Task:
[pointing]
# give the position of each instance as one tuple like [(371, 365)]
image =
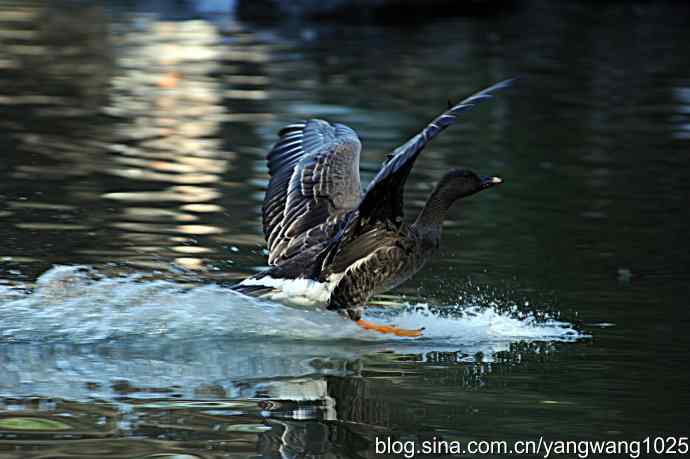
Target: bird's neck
[(430, 220)]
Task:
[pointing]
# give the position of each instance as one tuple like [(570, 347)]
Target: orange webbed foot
[(389, 329)]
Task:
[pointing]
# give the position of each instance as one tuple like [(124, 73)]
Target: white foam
[(80, 326), (76, 305), (69, 305), (476, 324)]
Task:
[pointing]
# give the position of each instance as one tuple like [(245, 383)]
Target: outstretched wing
[(382, 204), (384, 196), (314, 170)]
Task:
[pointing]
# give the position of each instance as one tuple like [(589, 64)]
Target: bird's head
[(460, 183)]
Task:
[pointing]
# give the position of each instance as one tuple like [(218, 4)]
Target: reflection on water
[(133, 142), (171, 108), (151, 163)]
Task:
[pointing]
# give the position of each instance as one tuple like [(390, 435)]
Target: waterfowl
[(333, 245)]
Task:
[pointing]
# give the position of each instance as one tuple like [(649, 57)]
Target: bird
[(332, 245)]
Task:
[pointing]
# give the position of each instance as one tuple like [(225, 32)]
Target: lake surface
[(132, 144)]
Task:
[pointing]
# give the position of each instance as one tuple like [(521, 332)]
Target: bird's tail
[(252, 290)]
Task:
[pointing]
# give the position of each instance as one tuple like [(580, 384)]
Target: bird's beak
[(488, 182)]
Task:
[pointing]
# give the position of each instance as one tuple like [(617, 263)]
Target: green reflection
[(26, 423)]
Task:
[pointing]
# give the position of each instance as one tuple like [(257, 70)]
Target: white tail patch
[(302, 292)]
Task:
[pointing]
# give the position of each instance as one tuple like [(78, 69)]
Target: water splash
[(79, 305), (79, 334), (476, 324)]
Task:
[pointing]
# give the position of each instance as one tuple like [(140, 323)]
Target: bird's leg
[(388, 329)]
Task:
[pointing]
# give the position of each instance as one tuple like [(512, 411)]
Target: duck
[(332, 245)]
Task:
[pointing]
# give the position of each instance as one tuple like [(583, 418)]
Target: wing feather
[(384, 196), (314, 169), (382, 204)]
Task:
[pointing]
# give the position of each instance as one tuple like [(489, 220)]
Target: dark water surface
[(132, 144)]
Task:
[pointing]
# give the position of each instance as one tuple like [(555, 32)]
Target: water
[(130, 187)]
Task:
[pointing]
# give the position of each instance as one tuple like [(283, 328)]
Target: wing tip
[(507, 83), (484, 94), (503, 84)]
